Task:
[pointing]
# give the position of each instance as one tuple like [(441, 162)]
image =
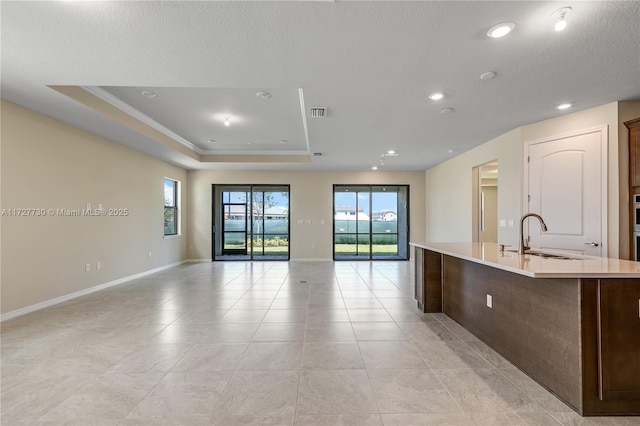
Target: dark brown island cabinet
[(573, 325)]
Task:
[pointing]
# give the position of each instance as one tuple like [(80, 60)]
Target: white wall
[(47, 164), (450, 190), (449, 185), (311, 197)]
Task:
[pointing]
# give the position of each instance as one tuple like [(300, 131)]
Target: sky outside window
[(382, 201)]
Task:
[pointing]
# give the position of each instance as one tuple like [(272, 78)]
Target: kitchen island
[(570, 322)]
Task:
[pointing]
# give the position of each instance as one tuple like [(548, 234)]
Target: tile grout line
[(304, 340)]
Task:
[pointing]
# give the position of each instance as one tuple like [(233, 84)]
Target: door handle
[(592, 244)]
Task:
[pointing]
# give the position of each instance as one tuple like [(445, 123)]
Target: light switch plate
[(489, 301)]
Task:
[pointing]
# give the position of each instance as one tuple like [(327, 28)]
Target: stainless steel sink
[(553, 256), (546, 255)]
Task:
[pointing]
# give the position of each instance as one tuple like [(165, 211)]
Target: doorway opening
[(485, 201), (371, 222), (250, 222)]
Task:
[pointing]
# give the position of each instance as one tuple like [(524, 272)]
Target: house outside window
[(171, 214)]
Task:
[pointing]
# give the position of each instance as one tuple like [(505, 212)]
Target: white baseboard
[(57, 300), (199, 260)]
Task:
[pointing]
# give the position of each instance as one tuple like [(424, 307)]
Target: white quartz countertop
[(534, 266)]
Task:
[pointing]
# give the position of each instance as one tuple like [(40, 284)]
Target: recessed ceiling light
[(374, 168), (227, 122), (452, 151), (446, 110), (391, 152), (436, 96), (487, 75), (148, 94), (283, 141), (501, 29), (559, 16), (212, 141), (263, 95), (564, 106)]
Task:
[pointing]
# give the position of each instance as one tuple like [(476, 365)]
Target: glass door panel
[(345, 223), (275, 226), (352, 222), (384, 230), (270, 222)]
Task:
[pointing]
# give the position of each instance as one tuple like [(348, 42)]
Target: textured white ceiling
[(371, 63)]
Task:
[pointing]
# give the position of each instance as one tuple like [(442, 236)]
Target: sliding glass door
[(370, 222), (250, 222)]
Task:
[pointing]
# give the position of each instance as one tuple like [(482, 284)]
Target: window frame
[(175, 208)]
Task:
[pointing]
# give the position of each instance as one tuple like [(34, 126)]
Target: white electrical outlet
[(489, 301), (98, 265), (322, 221), (313, 246), (511, 224), (87, 267), (503, 223), (149, 255)]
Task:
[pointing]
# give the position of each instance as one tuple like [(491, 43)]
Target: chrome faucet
[(522, 248)]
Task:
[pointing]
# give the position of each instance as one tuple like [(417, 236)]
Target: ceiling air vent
[(318, 154), (318, 112)]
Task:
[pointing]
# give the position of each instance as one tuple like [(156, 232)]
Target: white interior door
[(566, 185)]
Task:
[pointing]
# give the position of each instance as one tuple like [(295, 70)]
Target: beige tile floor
[(274, 343)]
